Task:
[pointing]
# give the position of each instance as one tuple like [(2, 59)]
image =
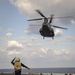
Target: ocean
[(43, 70)]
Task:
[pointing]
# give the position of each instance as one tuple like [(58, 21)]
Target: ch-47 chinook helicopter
[(46, 30)]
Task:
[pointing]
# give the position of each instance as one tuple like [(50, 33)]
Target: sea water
[(48, 71)]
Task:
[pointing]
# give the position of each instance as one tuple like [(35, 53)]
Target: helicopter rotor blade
[(35, 19), (51, 18), (59, 27), (61, 17), (64, 17), (40, 13), (34, 25)]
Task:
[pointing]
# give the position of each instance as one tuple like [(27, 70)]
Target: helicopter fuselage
[(46, 31)]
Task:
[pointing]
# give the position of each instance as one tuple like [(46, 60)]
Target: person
[(18, 66)]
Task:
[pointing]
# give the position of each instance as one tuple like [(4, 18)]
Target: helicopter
[(46, 30)]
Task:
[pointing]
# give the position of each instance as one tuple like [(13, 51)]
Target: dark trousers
[(18, 72)]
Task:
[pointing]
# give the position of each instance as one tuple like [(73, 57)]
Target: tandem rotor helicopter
[(46, 30)]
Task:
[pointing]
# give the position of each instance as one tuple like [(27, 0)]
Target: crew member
[(18, 66)]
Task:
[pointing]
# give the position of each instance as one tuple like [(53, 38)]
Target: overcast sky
[(18, 39)]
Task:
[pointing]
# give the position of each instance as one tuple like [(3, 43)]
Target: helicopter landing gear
[(43, 37), (52, 37)]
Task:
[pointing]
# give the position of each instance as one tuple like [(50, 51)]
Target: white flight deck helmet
[(17, 60)]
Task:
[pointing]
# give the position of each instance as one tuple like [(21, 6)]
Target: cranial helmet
[(17, 60)]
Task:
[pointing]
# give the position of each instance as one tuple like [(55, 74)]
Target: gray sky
[(18, 39)]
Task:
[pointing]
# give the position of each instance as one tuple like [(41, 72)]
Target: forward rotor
[(49, 18), (43, 17)]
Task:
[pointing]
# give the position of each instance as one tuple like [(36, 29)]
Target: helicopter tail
[(51, 19)]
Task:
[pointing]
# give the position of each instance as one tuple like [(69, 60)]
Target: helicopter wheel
[(43, 37), (52, 37)]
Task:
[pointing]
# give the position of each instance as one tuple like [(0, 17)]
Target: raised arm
[(13, 61), (24, 66)]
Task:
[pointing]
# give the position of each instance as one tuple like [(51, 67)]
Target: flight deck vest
[(17, 66)]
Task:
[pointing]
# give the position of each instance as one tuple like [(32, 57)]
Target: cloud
[(27, 31), (24, 6), (61, 52), (52, 57), (9, 34), (0, 28), (65, 39), (53, 52), (69, 38), (57, 54), (14, 45), (73, 21), (44, 50), (57, 1), (58, 32), (58, 42), (33, 29), (14, 52), (32, 44), (60, 8), (47, 57)]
